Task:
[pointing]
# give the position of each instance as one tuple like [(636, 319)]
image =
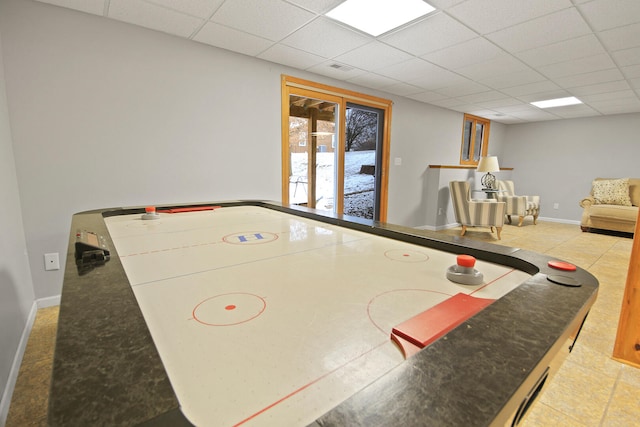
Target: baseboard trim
[(437, 227), (48, 302), (453, 225), (559, 220), (15, 367)]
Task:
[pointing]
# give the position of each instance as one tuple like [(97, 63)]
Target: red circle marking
[(466, 261), (259, 309), (408, 256)]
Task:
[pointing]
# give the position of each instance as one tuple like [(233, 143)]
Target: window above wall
[(475, 139)]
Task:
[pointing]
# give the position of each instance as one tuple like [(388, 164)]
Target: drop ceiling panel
[(498, 66), (590, 78), (600, 88), (373, 56), (535, 115), (549, 29), (336, 70), (270, 19), (153, 16), (578, 66), (562, 51), (290, 56), (317, 6), (427, 96), (632, 71), (618, 106), (95, 7), (481, 98), (410, 70), (231, 39), (439, 78), (622, 37), (503, 13), (402, 89), (514, 79), (574, 111), (434, 32), (607, 96), (542, 96), (467, 53), (607, 14), (462, 88), (198, 8), (373, 80), (627, 56), (325, 38), (545, 86)]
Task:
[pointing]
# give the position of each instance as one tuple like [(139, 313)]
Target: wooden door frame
[(293, 85)]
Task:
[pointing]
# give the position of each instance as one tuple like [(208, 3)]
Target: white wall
[(16, 288), (108, 114), (558, 160)]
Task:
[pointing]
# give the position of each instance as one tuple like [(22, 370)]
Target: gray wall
[(558, 159), (16, 288)]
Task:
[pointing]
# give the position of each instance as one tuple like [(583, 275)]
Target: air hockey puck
[(150, 213), (561, 265), (564, 280)]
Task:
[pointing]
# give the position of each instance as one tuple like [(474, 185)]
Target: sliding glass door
[(335, 149)]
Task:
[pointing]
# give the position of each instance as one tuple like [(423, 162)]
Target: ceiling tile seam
[(205, 22), (304, 8), (179, 12), (596, 34), (521, 22)]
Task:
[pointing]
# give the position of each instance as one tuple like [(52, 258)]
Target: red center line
[(293, 393), (493, 281)]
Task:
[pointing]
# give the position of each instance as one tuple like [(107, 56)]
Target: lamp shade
[(488, 164)]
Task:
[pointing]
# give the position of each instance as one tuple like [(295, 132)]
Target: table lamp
[(488, 164)]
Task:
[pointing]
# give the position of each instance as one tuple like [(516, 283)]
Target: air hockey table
[(250, 313)]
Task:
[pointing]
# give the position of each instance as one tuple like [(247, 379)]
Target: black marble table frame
[(107, 370)]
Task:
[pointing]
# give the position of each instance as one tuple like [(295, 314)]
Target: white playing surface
[(263, 318)]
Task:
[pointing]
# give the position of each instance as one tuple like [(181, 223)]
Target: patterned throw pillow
[(612, 192)]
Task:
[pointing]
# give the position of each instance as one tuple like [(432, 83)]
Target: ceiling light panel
[(377, 17), (558, 102)]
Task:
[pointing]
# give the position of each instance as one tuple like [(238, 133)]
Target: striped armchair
[(518, 205), (482, 213)]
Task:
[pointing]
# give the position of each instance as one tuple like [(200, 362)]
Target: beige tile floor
[(590, 388)]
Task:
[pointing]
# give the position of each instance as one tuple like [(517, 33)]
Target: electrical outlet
[(439, 211), (397, 161), (556, 206), (51, 261)]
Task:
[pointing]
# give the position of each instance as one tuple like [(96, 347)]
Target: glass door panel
[(362, 160), (313, 126)]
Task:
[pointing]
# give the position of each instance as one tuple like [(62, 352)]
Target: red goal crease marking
[(304, 387)]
